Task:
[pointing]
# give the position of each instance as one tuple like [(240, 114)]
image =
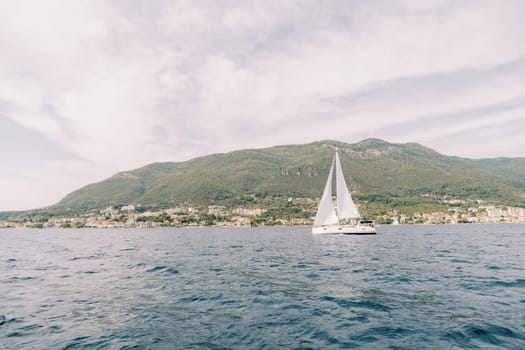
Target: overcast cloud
[(89, 88)]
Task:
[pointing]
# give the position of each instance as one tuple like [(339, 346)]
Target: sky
[(89, 88)]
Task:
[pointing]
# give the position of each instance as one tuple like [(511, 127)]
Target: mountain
[(381, 176)]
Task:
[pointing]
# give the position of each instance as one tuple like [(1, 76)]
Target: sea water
[(408, 287)]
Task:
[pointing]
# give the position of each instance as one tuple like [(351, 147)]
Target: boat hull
[(344, 230)]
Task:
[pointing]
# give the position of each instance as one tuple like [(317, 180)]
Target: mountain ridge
[(381, 175), (374, 167)]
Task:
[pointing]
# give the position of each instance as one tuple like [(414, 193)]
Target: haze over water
[(408, 287)]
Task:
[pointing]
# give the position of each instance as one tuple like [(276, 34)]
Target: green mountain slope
[(381, 176)]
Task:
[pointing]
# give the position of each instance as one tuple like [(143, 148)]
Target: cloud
[(31, 147), (102, 86)]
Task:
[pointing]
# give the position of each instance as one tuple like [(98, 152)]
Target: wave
[(162, 268)]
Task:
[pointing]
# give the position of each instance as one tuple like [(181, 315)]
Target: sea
[(408, 287)]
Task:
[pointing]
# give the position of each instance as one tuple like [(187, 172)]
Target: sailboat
[(342, 217)]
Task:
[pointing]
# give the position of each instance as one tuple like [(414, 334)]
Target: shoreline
[(245, 227)]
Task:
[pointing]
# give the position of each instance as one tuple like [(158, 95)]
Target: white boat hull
[(344, 230)]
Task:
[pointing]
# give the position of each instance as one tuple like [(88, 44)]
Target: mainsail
[(326, 214), (346, 209)]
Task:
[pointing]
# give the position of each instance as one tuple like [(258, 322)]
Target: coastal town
[(134, 216)]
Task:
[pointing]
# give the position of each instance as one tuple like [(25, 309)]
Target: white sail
[(326, 214), (331, 221), (346, 209)]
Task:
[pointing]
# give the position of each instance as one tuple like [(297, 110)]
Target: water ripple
[(348, 303), (408, 287), (165, 269)]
